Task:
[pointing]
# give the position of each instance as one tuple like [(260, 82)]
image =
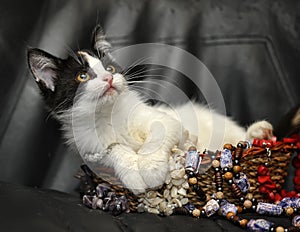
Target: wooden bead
[(239, 209), (279, 229), (236, 191), (216, 163), (243, 223), (193, 180), (238, 153), (237, 168), (219, 195), (228, 146), (247, 204), (229, 215), (289, 211), (228, 175), (249, 196), (218, 179), (196, 213)]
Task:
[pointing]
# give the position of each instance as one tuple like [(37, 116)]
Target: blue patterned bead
[(285, 202), (226, 159), (259, 225), (289, 202), (192, 161), (226, 207), (242, 182), (268, 208), (296, 221), (211, 207)]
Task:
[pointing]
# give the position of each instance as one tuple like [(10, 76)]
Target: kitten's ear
[(43, 66), (98, 40)]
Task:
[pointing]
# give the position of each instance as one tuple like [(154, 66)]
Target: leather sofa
[(251, 49)]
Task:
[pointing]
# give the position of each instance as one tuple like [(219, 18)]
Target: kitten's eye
[(111, 69), (82, 77)]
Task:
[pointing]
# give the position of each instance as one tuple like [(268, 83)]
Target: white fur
[(119, 130)]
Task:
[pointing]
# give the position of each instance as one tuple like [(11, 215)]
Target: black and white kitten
[(111, 124)]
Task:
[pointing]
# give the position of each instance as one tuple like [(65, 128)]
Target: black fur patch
[(66, 85)]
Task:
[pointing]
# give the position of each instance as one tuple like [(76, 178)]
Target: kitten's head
[(88, 75)]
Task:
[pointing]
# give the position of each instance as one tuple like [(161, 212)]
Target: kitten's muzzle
[(108, 78)]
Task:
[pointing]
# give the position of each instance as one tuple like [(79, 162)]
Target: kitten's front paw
[(260, 130), (134, 182), (154, 173)]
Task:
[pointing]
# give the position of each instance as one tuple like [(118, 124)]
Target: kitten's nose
[(108, 78)]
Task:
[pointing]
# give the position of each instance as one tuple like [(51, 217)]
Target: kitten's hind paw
[(260, 130)]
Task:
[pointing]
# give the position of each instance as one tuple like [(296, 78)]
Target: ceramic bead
[(227, 207), (296, 221), (259, 225), (226, 159), (268, 208), (192, 160), (242, 182), (211, 207)]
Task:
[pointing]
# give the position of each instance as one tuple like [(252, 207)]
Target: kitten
[(111, 124)]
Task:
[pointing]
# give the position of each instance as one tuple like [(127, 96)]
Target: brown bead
[(249, 196), (243, 223), (216, 163), (289, 211), (193, 180), (236, 191), (219, 195), (279, 229), (229, 215), (238, 153), (196, 213), (239, 209), (218, 179), (247, 204), (228, 175), (228, 146), (237, 168)]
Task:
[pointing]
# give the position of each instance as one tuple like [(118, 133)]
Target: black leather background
[(250, 47)]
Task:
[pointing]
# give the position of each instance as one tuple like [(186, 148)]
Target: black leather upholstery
[(250, 47)]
